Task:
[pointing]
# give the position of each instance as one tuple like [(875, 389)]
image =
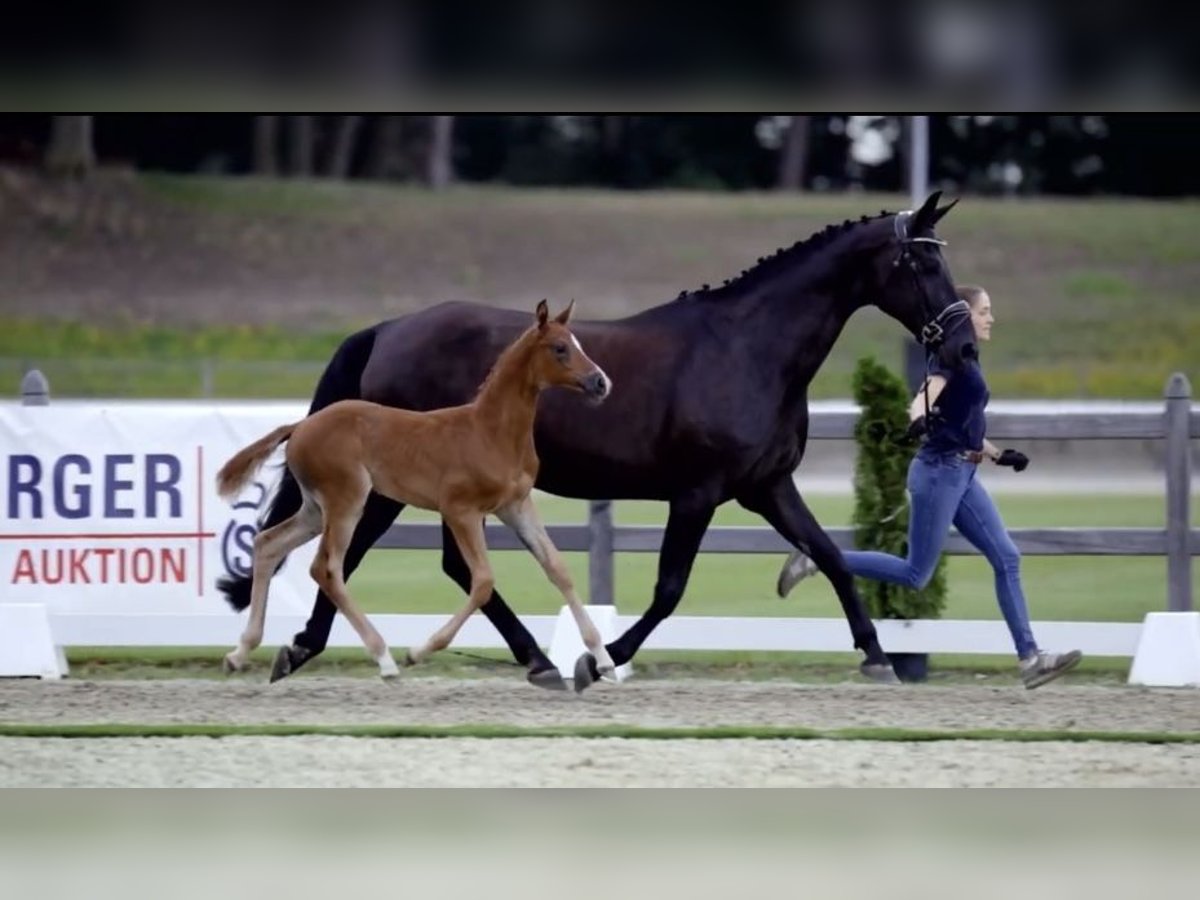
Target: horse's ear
[(565, 316), (924, 217), (543, 313), (942, 210)]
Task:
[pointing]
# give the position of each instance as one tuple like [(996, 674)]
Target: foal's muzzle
[(596, 385)]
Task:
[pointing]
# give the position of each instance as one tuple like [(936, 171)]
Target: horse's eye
[(560, 349)]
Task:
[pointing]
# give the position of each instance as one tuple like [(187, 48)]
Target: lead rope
[(487, 659)]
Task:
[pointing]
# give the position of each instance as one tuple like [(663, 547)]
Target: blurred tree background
[(1093, 154), (228, 254)]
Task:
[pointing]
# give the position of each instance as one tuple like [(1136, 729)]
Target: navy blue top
[(960, 423)]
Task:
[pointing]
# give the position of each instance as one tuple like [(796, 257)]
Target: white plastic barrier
[(1168, 651), (111, 532), (113, 510)]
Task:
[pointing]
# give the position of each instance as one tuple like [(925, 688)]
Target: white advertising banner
[(112, 508)]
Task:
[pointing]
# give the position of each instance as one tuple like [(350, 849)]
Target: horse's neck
[(507, 402), (793, 325)]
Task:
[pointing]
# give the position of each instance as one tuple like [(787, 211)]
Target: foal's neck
[(507, 401)]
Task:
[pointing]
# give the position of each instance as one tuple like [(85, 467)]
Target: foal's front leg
[(522, 517), (467, 528)]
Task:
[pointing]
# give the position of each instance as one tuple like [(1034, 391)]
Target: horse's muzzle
[(596, 386)]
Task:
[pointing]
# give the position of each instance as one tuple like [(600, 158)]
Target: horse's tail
[(242, 465), (341, 380)]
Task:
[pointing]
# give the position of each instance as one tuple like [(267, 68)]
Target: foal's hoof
[(880, 673), (288, 660), (230, 664), (587, 672), (549, 679)]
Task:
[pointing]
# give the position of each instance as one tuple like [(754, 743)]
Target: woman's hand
[(1014, 458)]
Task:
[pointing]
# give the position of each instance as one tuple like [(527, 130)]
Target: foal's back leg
[(270, 547), (522, 517), (467, 528), (342, 513)]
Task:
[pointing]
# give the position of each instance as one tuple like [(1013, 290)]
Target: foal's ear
[(543, 313), (565, 316)]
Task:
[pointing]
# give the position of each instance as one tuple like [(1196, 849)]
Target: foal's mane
[(506, 356), (785, 257)]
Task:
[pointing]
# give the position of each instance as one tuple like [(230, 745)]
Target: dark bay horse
[(710, 405)]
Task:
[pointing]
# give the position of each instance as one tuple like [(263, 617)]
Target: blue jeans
[(944, 490)]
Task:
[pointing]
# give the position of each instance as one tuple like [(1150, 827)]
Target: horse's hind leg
[(782, 506), (522, 517), (540, 672), (270, 547), (341, 517), (467, 529)]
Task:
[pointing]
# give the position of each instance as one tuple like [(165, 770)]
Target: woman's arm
[(991, 450), (932, 388)]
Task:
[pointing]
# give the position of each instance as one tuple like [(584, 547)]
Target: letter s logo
[(237, 541)]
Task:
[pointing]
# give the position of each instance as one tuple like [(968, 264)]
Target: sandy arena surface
[(677, 702), (318, 761), (578, 762)]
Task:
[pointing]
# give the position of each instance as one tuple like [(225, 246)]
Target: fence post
[(35, 389), (1179, 486), (600, 553), (207, 377)]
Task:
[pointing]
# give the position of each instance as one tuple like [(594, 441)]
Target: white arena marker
[(567, 646), (1168, 651), (27, 646)]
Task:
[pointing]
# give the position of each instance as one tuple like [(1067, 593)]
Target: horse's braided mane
[(769, 265)]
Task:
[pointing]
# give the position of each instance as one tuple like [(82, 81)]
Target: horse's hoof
[(409, 659), (288, 660), (880, 673), (229, 664), (586, 672), (549, 679)]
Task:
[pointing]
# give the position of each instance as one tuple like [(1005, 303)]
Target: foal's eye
[(560, 349)]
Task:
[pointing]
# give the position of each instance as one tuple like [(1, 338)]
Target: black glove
[(1014, 458), (916, 428)]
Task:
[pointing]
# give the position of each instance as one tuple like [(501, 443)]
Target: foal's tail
[(340, 381), (242, 465)]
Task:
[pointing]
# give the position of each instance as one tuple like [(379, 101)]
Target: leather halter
[(933, 332)]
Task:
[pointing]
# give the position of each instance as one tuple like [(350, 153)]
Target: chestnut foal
[(462, 461)]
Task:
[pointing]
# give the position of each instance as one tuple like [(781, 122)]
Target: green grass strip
[(491, 731)]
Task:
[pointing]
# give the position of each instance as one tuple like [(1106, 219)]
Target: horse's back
[(439, 356)]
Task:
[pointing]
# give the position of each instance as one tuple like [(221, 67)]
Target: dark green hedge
[(880, 501)]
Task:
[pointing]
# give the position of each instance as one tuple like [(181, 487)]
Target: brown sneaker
[(1043, 667)]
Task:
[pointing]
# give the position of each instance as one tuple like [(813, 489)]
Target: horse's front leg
[(522, 517), (781, 505), (688, 520), (525, 650)]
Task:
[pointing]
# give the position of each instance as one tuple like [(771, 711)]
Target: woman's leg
[(935, 490), (978, 520)]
